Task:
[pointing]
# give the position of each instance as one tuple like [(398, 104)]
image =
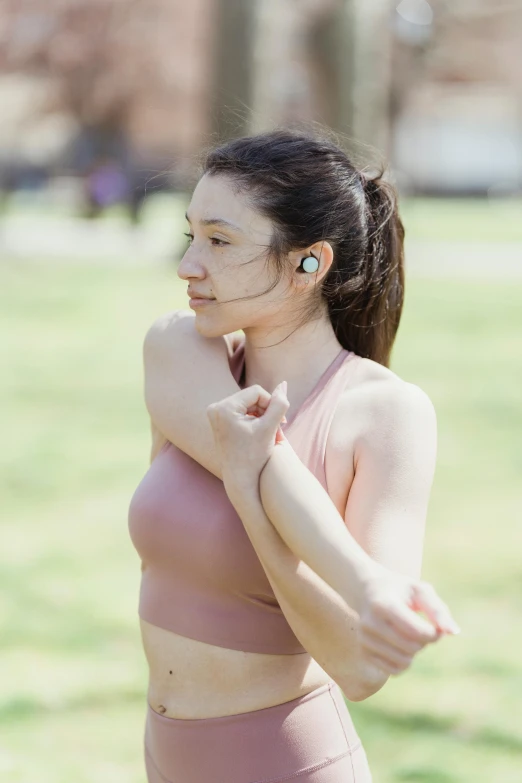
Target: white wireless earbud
[(310, 264)]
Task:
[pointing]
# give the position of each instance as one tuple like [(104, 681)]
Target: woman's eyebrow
[(217, 222)]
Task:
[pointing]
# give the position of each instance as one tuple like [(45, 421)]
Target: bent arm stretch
[(323, 622), (307, 548)]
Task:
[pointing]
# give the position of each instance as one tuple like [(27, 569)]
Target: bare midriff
[(191, 679)]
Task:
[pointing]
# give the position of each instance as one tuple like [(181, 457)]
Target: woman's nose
[(189, 266)]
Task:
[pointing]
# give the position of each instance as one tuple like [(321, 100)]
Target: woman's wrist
[(241, 485), (361, 572)]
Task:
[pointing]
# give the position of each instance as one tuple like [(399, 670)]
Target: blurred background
[(106, 106)]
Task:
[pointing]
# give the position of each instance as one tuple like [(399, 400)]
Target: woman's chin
[(206, 327)]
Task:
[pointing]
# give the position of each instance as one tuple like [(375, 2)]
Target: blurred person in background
[(281, 522), (106, 183)]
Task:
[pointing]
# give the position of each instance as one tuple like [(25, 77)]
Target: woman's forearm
[(308, 522), (323, 622)]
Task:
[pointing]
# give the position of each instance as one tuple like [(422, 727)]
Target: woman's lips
[(199, 301)]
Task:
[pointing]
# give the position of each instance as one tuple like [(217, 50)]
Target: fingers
[(252, 397), (257, 410), (386, 658), (391, 631), (382, 635), (276, 409), (426, 599), (412, 626), (253, 401), (403, 620), (384, 646)]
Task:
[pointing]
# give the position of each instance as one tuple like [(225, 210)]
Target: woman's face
[(227, 259)]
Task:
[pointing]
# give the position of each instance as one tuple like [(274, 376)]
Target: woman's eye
[(214, 240)]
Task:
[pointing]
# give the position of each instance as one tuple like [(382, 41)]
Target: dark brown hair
[(311, 191)]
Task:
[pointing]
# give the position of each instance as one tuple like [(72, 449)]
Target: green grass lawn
[(463, 219), (74, 676)]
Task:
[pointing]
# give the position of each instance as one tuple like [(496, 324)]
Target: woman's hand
[(246, 427), (390, 630)]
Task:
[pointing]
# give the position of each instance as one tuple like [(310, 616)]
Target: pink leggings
[(310, 739)]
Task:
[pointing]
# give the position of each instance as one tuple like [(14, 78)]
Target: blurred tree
[(232, 74), (90, 54), (117, 67), (362, 40), (90, 50)]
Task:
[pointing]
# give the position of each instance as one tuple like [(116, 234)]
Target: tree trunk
[(231, 107)]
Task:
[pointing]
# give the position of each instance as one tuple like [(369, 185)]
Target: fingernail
[(452, 628), (280, 436), (284, 420), (284, 386)]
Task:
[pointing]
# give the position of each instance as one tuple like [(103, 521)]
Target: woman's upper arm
[(395, 455), (183, 374)]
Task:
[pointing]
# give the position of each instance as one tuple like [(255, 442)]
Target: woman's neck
[(300, 359)]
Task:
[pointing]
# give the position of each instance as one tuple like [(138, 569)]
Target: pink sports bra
[(201, 575)]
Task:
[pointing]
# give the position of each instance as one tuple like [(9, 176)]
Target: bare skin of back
[(190, 679)]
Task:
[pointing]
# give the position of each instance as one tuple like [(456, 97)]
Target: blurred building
[(457, 101), (434, 86)]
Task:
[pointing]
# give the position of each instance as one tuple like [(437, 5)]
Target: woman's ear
[(323, 253)]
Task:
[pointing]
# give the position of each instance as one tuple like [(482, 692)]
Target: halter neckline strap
[(321, 383)]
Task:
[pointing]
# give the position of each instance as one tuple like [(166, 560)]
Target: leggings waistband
[(224, 719)]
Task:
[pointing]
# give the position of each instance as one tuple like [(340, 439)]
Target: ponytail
[(365, 309)]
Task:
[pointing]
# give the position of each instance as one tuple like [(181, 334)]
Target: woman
[(281, 532)]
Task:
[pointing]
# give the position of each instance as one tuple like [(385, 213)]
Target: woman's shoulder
[(376, 402), (165, 328), (380, 422), (175, 330)]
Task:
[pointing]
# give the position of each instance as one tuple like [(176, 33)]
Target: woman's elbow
[(361, 688)]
